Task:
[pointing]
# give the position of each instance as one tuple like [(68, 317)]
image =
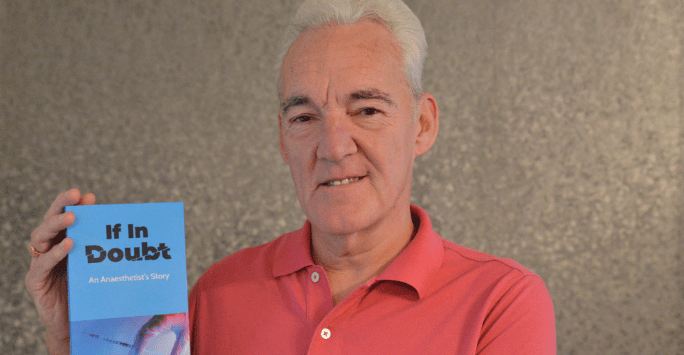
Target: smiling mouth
[(343, 181)]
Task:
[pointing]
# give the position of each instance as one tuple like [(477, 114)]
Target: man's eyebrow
[(367, 94), (372, 94), (293, 101)]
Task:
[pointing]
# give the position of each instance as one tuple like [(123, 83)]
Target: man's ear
[(283, 153), (428, 123)]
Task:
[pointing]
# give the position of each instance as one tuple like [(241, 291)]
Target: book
[(127, 279)]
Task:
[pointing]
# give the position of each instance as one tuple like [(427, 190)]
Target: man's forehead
[(363, 60)]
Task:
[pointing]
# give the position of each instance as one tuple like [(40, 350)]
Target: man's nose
[(336, 138)]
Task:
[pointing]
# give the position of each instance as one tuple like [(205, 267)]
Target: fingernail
[(61, 217)]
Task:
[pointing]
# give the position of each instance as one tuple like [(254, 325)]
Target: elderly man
[(366, 274)]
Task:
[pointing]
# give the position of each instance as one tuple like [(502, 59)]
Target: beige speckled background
[(560, 145)]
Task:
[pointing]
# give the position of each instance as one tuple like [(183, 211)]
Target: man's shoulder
[(513, 301), (488, 277), (458, 259), (460, 253)]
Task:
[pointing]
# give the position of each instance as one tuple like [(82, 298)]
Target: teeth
[(342, 182)]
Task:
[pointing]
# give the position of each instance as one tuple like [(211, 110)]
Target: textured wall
[(560, 145)]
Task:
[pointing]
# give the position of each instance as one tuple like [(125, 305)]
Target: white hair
[(394, 14)]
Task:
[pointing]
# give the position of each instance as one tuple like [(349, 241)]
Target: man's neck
[(351, 260)]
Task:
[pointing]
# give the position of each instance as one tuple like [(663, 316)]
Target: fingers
[(42, 266), (87, 199), (43, 236), (56, 220), (66, 198)]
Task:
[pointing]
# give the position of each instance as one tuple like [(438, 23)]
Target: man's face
[(346, 126)]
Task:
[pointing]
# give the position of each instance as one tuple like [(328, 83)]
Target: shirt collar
[(414, 266), (294, 252), (420, 260)]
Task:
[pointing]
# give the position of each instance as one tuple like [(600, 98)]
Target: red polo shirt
[(436, 297)]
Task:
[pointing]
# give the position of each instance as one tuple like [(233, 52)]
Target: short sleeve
[(521, 321)]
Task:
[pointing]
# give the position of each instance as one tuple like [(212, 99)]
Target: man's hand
[(46, 281)]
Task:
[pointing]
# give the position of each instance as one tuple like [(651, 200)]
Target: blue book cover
[(127, 279)]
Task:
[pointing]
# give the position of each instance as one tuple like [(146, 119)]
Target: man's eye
[(369, 111), (301, 119)]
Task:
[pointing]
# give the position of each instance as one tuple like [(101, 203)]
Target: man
[(366, 274)]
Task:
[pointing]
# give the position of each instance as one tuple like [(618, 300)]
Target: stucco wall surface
[(560, 143)]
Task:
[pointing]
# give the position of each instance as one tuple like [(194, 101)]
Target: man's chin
[(341, 222)]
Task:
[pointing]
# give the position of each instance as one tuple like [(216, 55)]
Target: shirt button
[(315, 276), (325, 333)]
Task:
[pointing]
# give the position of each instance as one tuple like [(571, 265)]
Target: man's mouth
[(343, 181)]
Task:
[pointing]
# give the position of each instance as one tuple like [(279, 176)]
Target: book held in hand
[(127, 279)]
